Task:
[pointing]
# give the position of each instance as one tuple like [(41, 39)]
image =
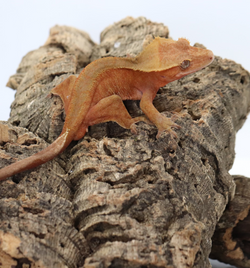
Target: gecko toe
[(172, 133), (175, 126), (133, 128)]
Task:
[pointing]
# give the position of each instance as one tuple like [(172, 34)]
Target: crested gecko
[(96, 95)]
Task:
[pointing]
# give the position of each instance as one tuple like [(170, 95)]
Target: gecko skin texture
[(96, 95)]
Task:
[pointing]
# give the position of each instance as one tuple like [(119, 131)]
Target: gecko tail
[(37, 159)]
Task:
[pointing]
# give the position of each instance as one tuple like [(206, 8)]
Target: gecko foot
[(136, 120), (166, 126)]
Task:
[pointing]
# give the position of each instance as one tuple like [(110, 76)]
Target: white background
[(221, 25)]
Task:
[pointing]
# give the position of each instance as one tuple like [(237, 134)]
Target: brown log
[(231, 240), (115, 199)]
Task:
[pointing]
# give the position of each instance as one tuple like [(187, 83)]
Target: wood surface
[(115, 199), (231, 240)]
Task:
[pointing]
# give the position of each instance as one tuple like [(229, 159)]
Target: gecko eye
[(185, 64)]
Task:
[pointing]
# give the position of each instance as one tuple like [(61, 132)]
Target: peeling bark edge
[(231, 240)]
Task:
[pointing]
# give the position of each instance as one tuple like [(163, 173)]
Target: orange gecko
[(96, 95)]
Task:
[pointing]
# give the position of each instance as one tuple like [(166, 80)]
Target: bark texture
[(114, 199), (231, 240)]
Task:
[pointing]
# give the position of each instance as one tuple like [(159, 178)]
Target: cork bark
[(115, 199), (231, 240)]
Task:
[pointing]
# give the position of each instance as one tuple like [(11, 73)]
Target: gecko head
[(182, 59)]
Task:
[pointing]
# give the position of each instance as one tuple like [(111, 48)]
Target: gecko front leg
[(160, 121)]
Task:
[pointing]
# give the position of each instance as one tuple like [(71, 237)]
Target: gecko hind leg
[(64, 90), (110, 109)]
